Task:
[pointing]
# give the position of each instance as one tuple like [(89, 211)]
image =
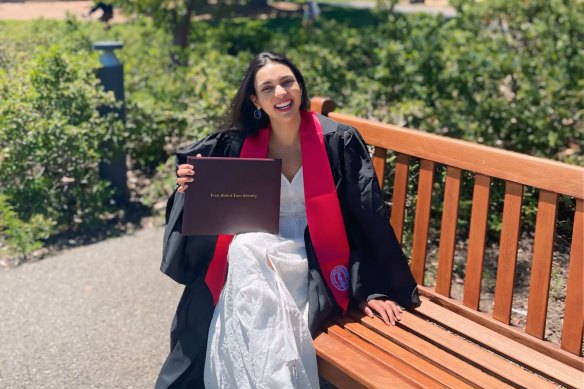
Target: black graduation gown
[(377, 264)]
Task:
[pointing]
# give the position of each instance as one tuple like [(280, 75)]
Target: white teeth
[(283, 105)]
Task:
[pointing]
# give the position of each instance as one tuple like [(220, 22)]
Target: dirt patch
[(558, 284)]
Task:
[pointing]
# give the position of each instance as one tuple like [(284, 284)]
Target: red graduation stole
[(323, 212)]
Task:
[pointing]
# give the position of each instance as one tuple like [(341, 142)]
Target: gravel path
[(92, 317)]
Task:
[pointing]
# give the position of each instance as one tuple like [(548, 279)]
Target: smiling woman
[(278, 91), (280, 97), (253, 326)]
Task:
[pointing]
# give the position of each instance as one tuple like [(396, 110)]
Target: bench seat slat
[(508, 252), (386, 359), (514, 333), (448, 231), (541, 268), (574, 311), (495, 365), (422, 223), (433, 354), (508, 348), (400, 191), (347, 368), (411, 360), (476, 241)]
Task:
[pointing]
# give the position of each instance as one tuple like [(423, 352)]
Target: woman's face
[(277, 92)]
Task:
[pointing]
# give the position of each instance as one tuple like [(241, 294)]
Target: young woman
[(253, 327)]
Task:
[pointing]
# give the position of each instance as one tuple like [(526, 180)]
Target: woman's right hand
[(185, 173)]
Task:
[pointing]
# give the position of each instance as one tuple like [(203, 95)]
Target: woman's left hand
[(387, 310)]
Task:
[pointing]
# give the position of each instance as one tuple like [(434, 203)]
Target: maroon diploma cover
[(233, 196)]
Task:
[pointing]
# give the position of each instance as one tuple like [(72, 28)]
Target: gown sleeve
[(184, 258), (378, 265)]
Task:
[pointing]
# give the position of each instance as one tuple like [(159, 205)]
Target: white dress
[(259, 335)]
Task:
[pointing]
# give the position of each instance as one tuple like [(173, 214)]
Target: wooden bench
[(447, 342)]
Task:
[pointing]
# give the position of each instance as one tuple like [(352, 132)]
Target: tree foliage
[(172, 15), (50, 137), (503, 73)]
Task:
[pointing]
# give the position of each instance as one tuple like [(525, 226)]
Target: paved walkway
[(26, 10), (92, 317), (432, 7)]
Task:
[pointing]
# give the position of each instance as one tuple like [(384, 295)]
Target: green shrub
[(503, 73), (51, 136), (20, 237), (162, 185)]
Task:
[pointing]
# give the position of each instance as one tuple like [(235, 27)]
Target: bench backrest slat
[(531, 171), (574, 311), (448, 230), (379, 159), (476, 241), (541, 269), (400, 191), (508, 252), (422, 221)]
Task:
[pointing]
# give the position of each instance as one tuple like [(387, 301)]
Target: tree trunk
[(183, 26), (255, 4)]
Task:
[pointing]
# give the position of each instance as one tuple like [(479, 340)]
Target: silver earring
[(257, 113)]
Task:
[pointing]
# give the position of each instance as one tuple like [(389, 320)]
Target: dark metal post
[(111, 75)]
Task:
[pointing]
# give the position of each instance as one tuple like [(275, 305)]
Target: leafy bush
[(50, 137), (162, 184), (503, 73), (18, 236)]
